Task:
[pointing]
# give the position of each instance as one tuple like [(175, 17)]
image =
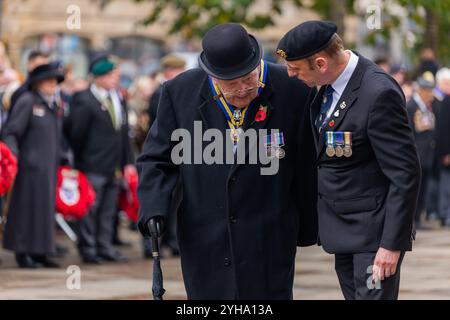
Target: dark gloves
[(153, 227)]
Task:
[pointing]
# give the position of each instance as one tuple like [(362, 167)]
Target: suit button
[(227, 262), (233, 219), (233, 179)]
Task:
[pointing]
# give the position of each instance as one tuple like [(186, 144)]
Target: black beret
[(306, 39)]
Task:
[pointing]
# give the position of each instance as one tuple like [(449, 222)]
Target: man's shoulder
[(83, 95), (376, 81)]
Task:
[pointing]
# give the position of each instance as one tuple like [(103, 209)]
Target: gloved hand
[(152, 227)]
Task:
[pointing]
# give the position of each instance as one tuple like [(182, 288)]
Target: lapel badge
[(336, 114), (343, 105), (331, 123)]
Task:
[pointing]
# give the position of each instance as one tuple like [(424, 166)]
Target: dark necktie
[(325, 106)]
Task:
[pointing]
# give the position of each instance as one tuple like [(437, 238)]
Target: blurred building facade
[(114, 25)]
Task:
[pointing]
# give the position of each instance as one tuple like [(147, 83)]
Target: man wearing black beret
[(237, 229), (367, 163)]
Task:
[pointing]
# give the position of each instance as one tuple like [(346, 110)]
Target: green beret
[(102, 67)]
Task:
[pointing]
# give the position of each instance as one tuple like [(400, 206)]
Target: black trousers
[(96, 228), (354, 272)]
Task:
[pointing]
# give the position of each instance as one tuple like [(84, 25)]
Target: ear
[(322, 64)]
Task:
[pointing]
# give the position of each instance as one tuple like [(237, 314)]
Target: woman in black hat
[(33, 134)]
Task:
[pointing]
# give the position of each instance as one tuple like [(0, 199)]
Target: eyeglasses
[(235, 93)]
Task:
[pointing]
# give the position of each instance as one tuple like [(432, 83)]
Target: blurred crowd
[(427, 93), (48, 118)]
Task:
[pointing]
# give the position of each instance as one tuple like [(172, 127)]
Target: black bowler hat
[(229, 52), (306, 39), (44, 72)]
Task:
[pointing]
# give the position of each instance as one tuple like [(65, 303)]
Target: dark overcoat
[(33, 133), (237, 229)]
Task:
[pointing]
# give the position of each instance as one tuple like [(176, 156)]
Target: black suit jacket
[(237, 229), (97, 146), (368, 200)]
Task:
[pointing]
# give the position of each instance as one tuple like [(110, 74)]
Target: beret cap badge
[(281, 53)]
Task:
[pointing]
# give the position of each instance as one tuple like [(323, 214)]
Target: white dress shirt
[(342, 81)]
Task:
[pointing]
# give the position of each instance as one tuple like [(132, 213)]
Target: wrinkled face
[(110, 80), (310, 72), (48, 86), (241, 91)]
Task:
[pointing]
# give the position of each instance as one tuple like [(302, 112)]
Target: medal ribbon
[(330, 136), (348, 138)]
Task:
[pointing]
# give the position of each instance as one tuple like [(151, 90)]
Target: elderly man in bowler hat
[(367, 163), (237, 229)]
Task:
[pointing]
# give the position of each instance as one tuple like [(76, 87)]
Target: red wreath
[(128, 200), (74, 194), (8, 168)]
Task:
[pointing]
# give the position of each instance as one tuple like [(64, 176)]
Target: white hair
[(442, 75)]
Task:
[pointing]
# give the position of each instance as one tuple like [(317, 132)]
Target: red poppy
[(331, 123), (261, 114), (8, 168)]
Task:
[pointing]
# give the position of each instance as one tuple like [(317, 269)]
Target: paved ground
[(425, 274)]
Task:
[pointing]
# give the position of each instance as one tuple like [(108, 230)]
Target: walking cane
[(157, 287)]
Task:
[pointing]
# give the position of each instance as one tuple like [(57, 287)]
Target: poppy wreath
[(8, 168), (128, 200), (74, 194)]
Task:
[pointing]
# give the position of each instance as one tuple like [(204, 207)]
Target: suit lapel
[(347, 100)]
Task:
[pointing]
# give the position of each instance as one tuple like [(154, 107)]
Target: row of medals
[(339, 151), (271, 151)]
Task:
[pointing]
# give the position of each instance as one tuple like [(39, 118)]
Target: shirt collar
[(102, 92), (341, 82)]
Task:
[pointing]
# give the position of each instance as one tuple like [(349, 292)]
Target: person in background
[(383, 63), (98, 136), (423, 122), (442, 94), (35, 58), (171, 66), (427, 62), (397, 72), (33, 134), (432, 199)]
